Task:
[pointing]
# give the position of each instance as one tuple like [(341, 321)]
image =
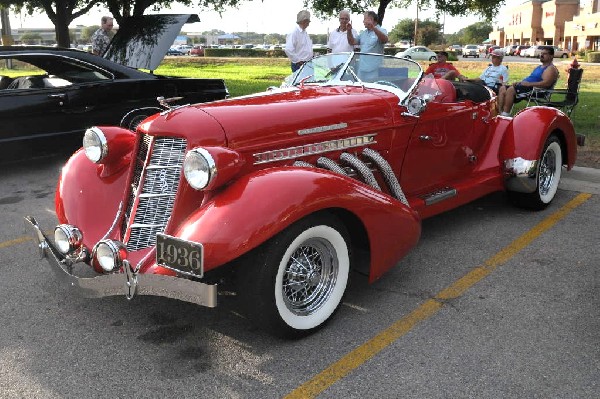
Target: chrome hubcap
[(310, 276)]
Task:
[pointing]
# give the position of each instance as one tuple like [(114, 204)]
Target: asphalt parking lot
[(494, 302)]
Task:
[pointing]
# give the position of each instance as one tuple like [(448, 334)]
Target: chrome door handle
[(425, 138)]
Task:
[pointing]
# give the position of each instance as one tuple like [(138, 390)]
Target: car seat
[(5, 81)]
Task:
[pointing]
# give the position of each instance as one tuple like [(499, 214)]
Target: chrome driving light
[(110, 254), (67, 238), (199, 168), (95, 144)]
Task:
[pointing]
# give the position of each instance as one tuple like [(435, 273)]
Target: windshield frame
[(344, 69)]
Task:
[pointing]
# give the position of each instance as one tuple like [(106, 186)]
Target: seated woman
[(495, 75)]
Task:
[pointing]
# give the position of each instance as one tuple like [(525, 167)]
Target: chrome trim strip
[(149, 195), (321, 129), (129, 283), (150, 167), (312, 149), (520, 175)]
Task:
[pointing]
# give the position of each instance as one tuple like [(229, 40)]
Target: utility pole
[(416, 23), (6, 31)]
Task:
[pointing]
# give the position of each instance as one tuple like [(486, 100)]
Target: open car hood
[(142, 42)]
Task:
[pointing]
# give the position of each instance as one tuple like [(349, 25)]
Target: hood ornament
[(164, 102)]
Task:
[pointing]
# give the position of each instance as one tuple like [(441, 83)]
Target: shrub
[(593, 56), (242, 52)]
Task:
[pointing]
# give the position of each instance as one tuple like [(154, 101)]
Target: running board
[(439, 195)]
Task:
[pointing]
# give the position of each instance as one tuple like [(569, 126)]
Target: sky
[(268, 16)]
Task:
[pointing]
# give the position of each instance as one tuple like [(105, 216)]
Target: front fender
[(529, 130), (256, 207)]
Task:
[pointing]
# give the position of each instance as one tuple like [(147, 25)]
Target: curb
[(581, 179)]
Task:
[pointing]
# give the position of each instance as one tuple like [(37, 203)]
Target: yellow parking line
[(16, 241), (21, 240), (372, 347)]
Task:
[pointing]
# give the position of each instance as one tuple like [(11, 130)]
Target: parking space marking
[(16, 241), (372, 347)]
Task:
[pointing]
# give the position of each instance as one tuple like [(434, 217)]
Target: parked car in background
[(456, 48), (184, 48), (490, 49), (510, 50), (279, 195), (55, 93), (519, 50), (470, 50), (174, 51), (197, 50), (535, 51), (418, 53)]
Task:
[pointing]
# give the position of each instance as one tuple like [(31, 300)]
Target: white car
[(534, 51), (418, 53), (470, 50)]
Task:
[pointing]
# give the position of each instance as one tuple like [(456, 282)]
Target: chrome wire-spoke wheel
[(549, 172), (310, 276)]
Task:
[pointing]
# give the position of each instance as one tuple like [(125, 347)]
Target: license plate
[(180, 255)]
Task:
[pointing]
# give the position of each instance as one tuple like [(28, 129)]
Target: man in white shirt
[(338, 39), (298, 45)]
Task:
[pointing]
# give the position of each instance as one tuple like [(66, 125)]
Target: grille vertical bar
[(156, 184)]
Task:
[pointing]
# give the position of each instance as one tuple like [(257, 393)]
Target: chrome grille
[(156, 185)]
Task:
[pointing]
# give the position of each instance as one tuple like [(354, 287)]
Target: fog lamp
[(95, 144), (67, 238), (110, 254)]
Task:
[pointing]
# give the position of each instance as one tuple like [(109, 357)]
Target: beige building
[(583, 31), (572, 24)]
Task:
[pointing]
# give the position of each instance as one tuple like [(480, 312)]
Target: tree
[(428, 31), (486, 8), (31, 38), (63, 12), (121, 9), (60, 12), (87, 32)]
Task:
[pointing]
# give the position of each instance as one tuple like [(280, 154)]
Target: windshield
[(389, 73)]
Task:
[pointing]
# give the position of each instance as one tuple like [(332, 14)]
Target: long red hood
[(276, 117)]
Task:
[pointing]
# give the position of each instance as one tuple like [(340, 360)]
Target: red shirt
[(439, 70)]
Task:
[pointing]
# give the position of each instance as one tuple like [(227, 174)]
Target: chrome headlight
[(199, 168), (95, 144), (110, 254), (67, 238)]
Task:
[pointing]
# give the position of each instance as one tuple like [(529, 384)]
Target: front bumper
[(130, 283)]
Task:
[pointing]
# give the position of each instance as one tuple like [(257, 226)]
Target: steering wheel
[(385, 82)]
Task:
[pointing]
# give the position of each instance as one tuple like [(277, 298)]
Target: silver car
[(418, 53)]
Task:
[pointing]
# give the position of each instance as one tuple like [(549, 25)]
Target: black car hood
[(142, 42)]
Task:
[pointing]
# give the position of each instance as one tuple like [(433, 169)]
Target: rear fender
[(529, 130), (256, 207)]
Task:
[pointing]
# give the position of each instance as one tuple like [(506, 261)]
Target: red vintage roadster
[(285, 192)]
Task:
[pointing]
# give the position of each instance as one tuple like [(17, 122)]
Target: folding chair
[(571, 94)]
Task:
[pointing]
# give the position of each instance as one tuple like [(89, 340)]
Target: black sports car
[(50, 92)]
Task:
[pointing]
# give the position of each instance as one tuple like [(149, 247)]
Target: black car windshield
[(374, 70)]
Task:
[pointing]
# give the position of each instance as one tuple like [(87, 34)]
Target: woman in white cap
[(495, 75), (298, 45)]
